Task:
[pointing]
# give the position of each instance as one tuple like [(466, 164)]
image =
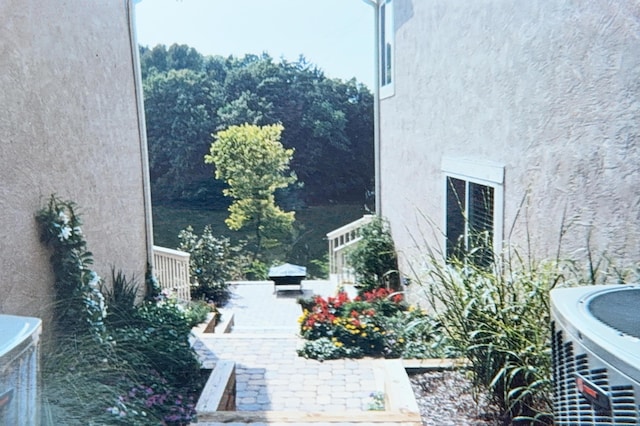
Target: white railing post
[(341, 241), (171, 268)]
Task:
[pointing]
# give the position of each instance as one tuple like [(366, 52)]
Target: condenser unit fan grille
[(571, 407), (595, 346)]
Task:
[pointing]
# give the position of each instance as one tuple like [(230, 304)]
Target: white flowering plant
[(80, 305)]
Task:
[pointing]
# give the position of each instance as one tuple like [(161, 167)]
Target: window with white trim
[(473, 209), (386, 39)]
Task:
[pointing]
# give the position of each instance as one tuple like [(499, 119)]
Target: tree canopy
[(254, 164), (188, 97)]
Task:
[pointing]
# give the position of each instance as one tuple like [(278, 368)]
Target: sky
[(335, 35)]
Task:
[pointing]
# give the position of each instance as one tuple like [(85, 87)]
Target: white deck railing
[(341, 241), (171, 268)]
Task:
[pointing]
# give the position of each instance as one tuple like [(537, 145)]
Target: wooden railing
[(171, 268), (341, 241)]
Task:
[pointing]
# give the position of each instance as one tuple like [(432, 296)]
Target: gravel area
[(446, 398)]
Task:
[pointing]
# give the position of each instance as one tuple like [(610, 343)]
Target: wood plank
[(298, 417), (218, 389), (436, 364), (398, 393)]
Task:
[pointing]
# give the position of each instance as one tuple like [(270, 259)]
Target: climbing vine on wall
[(79, 303)]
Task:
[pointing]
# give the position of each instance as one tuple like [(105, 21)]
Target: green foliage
[(189, 96), (132, 366), (374, 259), (378, 323), (254, 164), (179, 106), (79, 304), (376, 401), (149, 376), (498, 318), (121, 297), (196, 311), (323, 349), (164, 323), (312, 224), (209, 264)]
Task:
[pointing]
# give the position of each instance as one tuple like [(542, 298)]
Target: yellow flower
[(401, 340), (364, 334), (376, 329)]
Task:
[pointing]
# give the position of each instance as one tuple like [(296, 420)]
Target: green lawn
[(312, 225)]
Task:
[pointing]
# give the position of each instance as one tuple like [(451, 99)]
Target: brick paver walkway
[(270, 376)]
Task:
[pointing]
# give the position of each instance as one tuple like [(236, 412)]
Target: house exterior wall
[(69, 126), (548, 89)]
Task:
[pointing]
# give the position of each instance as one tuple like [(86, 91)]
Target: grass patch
[(308, 244)]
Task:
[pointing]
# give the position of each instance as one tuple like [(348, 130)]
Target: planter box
[(219, 393)]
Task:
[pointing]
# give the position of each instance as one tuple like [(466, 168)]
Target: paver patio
[(272, 382)]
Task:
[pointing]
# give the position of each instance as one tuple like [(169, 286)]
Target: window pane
[(455, 231), (383, 44), (481, 223), (386, 43), (387, 72)]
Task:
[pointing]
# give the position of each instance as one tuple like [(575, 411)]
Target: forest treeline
[(189, 96)]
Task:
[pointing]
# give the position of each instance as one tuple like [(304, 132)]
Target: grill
[(596, 365)]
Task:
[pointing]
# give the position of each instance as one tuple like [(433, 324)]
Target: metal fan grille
[(570, 406)]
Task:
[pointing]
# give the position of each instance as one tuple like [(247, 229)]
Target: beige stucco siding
[(70, 126), (549, 89)]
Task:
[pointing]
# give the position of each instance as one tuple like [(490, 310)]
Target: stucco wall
[(69, 126), (549, 89)]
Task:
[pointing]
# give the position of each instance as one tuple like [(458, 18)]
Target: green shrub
[(120, 297), (323, 349), (497, 316), (150, 375), (209, 264), (112, 365), (79, 305), (374, 260), (415, 334)]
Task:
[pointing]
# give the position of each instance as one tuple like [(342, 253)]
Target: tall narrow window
[(473, 210), (386, 48)]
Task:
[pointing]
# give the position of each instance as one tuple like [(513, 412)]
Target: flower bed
[(378, 323)]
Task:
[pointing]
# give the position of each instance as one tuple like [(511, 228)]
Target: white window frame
[(483, 173), (386, 48)]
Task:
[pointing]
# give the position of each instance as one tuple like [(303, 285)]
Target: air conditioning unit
[(19, 342), (596, 355)]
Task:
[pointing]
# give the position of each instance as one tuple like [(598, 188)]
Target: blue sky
[(335, 35)]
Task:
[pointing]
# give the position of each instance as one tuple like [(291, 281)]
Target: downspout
[(142, 130), (376, 105)]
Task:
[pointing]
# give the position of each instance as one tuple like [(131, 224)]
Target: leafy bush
[(79, 304), (415, 334), (497, 316), (322, 349), (208, 264), (149, 375), (120, 297), (374, 260), (378, 323), (128, 365)]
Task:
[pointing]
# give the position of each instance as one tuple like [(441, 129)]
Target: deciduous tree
[(254, 164)]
